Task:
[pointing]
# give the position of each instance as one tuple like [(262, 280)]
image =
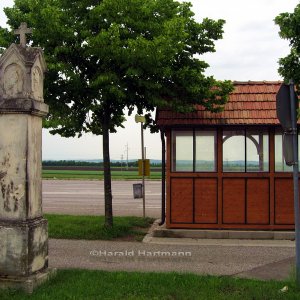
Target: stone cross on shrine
[(22, 31), (23, 230)]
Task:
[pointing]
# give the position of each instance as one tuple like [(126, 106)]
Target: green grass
[(84, 284), (91, 227), (79, 174)]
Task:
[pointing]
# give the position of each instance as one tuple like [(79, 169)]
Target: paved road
[(252, 259), (80, 197), (261, 260)]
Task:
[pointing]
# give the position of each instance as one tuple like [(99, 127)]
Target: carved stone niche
[(23, 230), (22, 73)]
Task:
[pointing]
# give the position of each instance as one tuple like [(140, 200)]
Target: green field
[(87, 284), (80, 174)]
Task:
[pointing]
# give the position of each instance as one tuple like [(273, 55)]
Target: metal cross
[(22, 31)]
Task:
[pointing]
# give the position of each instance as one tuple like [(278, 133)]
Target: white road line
[(94, 193)]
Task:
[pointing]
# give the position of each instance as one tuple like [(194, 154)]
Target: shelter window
[(194, 150), (182, 151), (206, 144), (280, 165), (246, 150)]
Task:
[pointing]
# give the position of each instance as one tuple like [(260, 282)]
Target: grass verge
[(87, 284), (80, 174), (91, 227)]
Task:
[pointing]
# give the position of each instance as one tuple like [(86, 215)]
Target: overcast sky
[(249, 50)]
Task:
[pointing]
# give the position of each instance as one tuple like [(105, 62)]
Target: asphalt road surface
[(83, 197), (267, 261)]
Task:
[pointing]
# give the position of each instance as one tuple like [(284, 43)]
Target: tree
[(105, 55), (289, 23)]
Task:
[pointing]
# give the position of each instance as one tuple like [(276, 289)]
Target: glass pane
[(206, 151), (280, 165), (182, 151), (233, 151), (257, 150)]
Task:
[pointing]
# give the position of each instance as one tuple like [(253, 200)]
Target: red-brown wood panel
[(284, 201), (234, 201), (258, 201), (206, 200), (181, 200)]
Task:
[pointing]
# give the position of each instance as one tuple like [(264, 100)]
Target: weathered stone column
[(23, 231)]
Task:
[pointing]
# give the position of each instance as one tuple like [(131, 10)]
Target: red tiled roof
[(252, 103)]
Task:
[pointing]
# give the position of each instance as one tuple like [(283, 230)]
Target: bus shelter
[(226, 170)]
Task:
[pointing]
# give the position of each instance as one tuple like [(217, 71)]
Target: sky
[(249, 50)]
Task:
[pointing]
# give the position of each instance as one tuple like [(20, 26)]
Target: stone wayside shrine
[(23, 230)]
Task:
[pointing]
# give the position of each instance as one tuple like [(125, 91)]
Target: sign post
[(144, 166), (141, 119), (287, 115), (295, 177)]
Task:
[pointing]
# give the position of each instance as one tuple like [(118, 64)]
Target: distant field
[(82, 174), (95, 168)]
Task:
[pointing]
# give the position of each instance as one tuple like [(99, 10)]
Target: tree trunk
[(107, 172)]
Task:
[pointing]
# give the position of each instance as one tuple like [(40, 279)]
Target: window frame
[(220, 131), (245, 129), (280, 129), (173, 147), (194, 130), (215, 131), (266, 130)]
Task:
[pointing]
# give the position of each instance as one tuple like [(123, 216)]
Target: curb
[(148, 237), (223, 234)]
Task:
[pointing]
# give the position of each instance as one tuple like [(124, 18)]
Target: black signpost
[(287, 115)]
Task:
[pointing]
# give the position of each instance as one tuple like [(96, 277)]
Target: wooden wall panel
[(258, 201), (284, 201), (181, 200), (206, 208), (234, 200)]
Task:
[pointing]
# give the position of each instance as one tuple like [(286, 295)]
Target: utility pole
[(122, 156), (127, 150)]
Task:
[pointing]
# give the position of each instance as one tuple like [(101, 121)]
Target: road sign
[(283, 107), (139, 119), (287, 144), (137, 190), (146, 167), (284, 115)]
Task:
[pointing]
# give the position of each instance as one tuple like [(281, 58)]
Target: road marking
[(93, 193)]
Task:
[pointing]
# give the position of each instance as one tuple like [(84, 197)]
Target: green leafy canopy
[(289, 23), (107, 55)]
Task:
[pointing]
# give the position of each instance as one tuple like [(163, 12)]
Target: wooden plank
[(168, 179), (181, 200), (206, 200), (220, 174), (234, 201), (258, 201), (284, 201), (233, 226), (272, 174)]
